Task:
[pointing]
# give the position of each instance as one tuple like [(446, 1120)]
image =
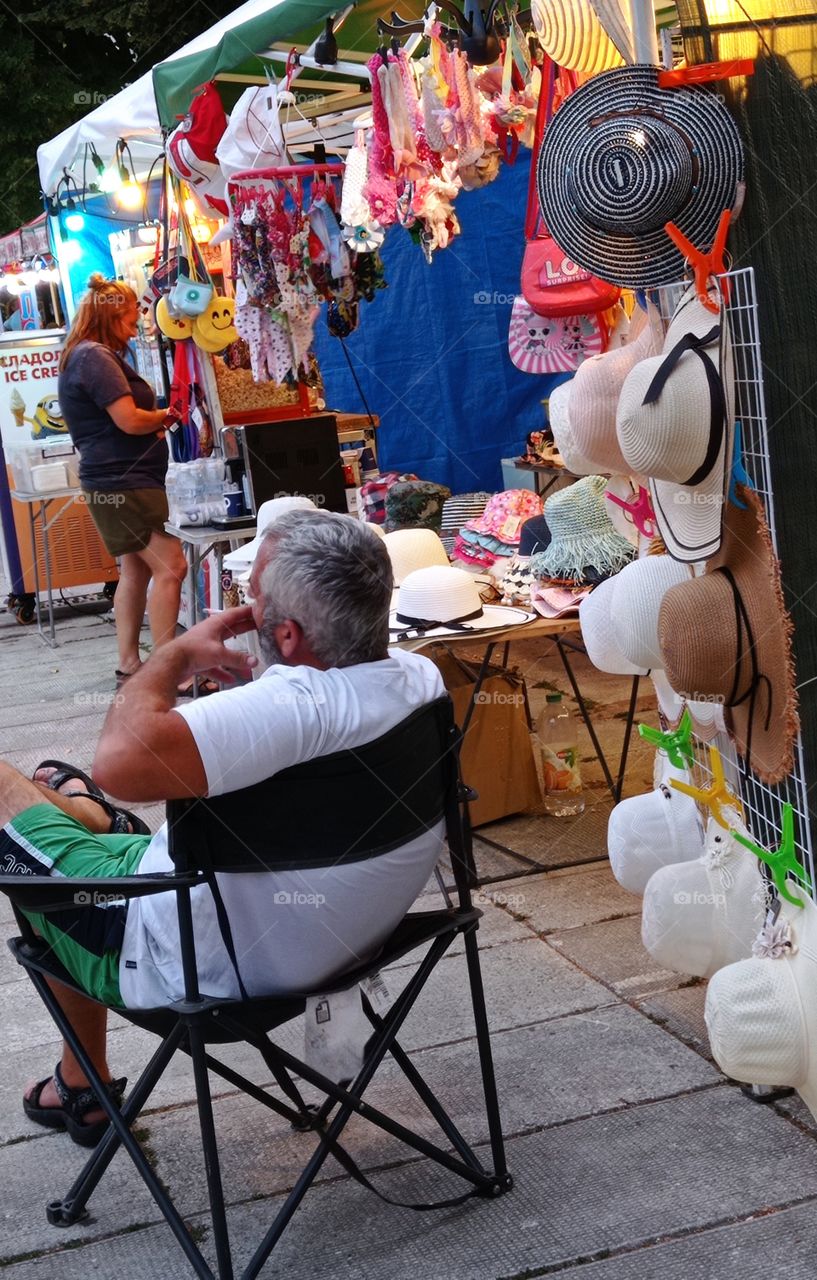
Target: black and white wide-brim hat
[(621, 158)]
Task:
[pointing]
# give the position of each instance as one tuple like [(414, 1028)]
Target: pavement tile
[(549, 842), (612, 952), (565, 899), (682, 1013)]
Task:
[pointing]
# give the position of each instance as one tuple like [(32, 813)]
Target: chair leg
[(212, 1167), (486, 1060)]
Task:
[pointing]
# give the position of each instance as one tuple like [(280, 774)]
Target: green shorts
[(86, 937), (126, 519)]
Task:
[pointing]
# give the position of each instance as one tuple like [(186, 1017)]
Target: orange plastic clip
[(704, 265), (704, 72)]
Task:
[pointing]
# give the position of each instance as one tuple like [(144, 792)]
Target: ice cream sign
[(29, 405)]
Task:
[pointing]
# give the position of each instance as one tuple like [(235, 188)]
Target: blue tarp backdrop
[(431, 351)]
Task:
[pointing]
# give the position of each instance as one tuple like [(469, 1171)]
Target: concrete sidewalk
[(632, 1156)]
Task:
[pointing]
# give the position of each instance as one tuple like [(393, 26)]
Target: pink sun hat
[(505, 513)]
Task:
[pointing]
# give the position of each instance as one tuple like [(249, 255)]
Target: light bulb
[(201, 232), (111, 180), (190, 207), (12, 284), (130, 195), (74, 221)]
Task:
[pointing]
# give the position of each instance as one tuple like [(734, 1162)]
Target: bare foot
[(50, 1098)]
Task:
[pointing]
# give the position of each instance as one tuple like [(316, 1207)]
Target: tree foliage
[(58, 58)]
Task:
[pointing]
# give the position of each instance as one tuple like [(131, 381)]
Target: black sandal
[(123, 821), (74, 1106)]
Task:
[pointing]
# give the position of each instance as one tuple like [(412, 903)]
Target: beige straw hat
[(726, 636), (563, 433)]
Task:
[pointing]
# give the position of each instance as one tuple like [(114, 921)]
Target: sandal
[(206, 687), (74, 1106), (123, 821)]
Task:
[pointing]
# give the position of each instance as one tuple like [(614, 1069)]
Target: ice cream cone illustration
[(18, 407)]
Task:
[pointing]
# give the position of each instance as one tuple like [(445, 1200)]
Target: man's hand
[(146, 751), (204, 651)]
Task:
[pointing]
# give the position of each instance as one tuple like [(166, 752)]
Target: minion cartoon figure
[(48, 420)]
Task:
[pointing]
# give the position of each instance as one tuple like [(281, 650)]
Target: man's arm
[(146, 751)]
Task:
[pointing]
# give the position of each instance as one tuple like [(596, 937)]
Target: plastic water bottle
[(558, 743)]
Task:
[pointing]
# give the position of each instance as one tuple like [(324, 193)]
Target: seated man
[(321, 586)]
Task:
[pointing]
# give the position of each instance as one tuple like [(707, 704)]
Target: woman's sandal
[(206, 686), (74, 1106), (123, 821)]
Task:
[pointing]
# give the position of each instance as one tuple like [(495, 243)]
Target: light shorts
[(86, 937)]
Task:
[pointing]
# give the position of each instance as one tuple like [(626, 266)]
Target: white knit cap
[(698, 916), (636, 603), (761, 1013), (651, 831), (563, 434), (598, 634), (669, 438)]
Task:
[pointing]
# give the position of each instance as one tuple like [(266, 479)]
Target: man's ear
[(288, 636)]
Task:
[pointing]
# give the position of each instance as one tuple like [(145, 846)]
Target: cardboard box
[(497, 754)]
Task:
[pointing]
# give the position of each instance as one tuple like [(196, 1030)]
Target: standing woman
[(113, 420)]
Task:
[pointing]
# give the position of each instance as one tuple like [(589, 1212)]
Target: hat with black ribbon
[(442, 601), (621, 158), (726, 636), (675, 424)]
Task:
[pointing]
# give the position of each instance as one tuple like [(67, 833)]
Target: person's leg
[(18, 793), (129, 609), (164, 559)]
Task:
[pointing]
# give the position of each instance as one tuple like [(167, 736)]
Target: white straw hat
[(598, 634), (675, 425), (761, 1013), (594, 398), (411, 549), (563, 434), (443, 601), (699, 916), (636, 603), (647, 832), (268, 513)]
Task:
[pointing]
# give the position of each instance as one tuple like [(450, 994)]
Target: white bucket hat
[(675, 425), (699, 916), (443, 601), (598, 633), (645, 833), (636, 603), (411, 549), (563, 434), (761, 1013), (242, 559)]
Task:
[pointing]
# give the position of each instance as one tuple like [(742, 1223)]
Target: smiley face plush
[(215, 328), (173, 326)]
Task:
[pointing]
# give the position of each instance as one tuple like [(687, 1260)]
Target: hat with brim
[(726, 636), (411, 549), (563, 434), (243, 558), (557, 602), (636, 603), (444, 601), (621, 158), (594, 396), (675, 425), (700, 915), (647, 832), (761, 1013), (582, 534), (598, 634)]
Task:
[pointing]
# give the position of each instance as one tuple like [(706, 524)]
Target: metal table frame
[(42, 501)]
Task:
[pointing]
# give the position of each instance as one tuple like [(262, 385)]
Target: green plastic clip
[(676, 742), (782, 861)]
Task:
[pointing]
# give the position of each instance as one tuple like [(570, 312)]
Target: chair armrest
[(54, 893)]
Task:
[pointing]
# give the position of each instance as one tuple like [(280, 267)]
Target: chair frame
[(198, 1020)]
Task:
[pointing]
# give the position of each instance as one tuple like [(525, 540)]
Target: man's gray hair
[(332, 576)]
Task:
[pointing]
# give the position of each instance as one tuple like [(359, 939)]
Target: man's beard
[(269, 649)]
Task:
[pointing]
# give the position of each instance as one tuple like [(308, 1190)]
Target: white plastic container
[(48, 476)]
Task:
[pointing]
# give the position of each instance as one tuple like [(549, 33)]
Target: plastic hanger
[(639, 510), (782, 861), (676, 742), (739, 473), (717, 795), (704, 265)]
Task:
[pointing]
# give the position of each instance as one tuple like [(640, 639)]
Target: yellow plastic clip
[(717, 795)]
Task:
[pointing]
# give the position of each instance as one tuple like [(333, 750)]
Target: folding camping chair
[(388, 792)]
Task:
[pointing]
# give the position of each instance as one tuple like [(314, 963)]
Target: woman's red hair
[(99, 316)]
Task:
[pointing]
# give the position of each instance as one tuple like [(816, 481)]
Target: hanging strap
[(743, 626)]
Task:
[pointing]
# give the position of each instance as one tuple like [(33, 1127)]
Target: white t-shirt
[(292, 930)]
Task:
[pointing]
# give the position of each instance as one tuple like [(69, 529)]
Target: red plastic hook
[(704, 265)]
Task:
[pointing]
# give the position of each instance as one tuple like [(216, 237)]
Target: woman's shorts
[(126, 519)]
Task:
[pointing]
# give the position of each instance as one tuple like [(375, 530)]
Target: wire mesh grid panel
[(762, 803)]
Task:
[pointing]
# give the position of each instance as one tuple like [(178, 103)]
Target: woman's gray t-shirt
[(110, 459)]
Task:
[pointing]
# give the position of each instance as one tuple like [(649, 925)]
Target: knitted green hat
[(582, 534)]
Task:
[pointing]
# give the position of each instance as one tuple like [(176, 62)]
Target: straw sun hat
[(726, 636), (675, 424), (443, 601), (582, 534), (570, 33), (761, 1013), (621, 158)]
